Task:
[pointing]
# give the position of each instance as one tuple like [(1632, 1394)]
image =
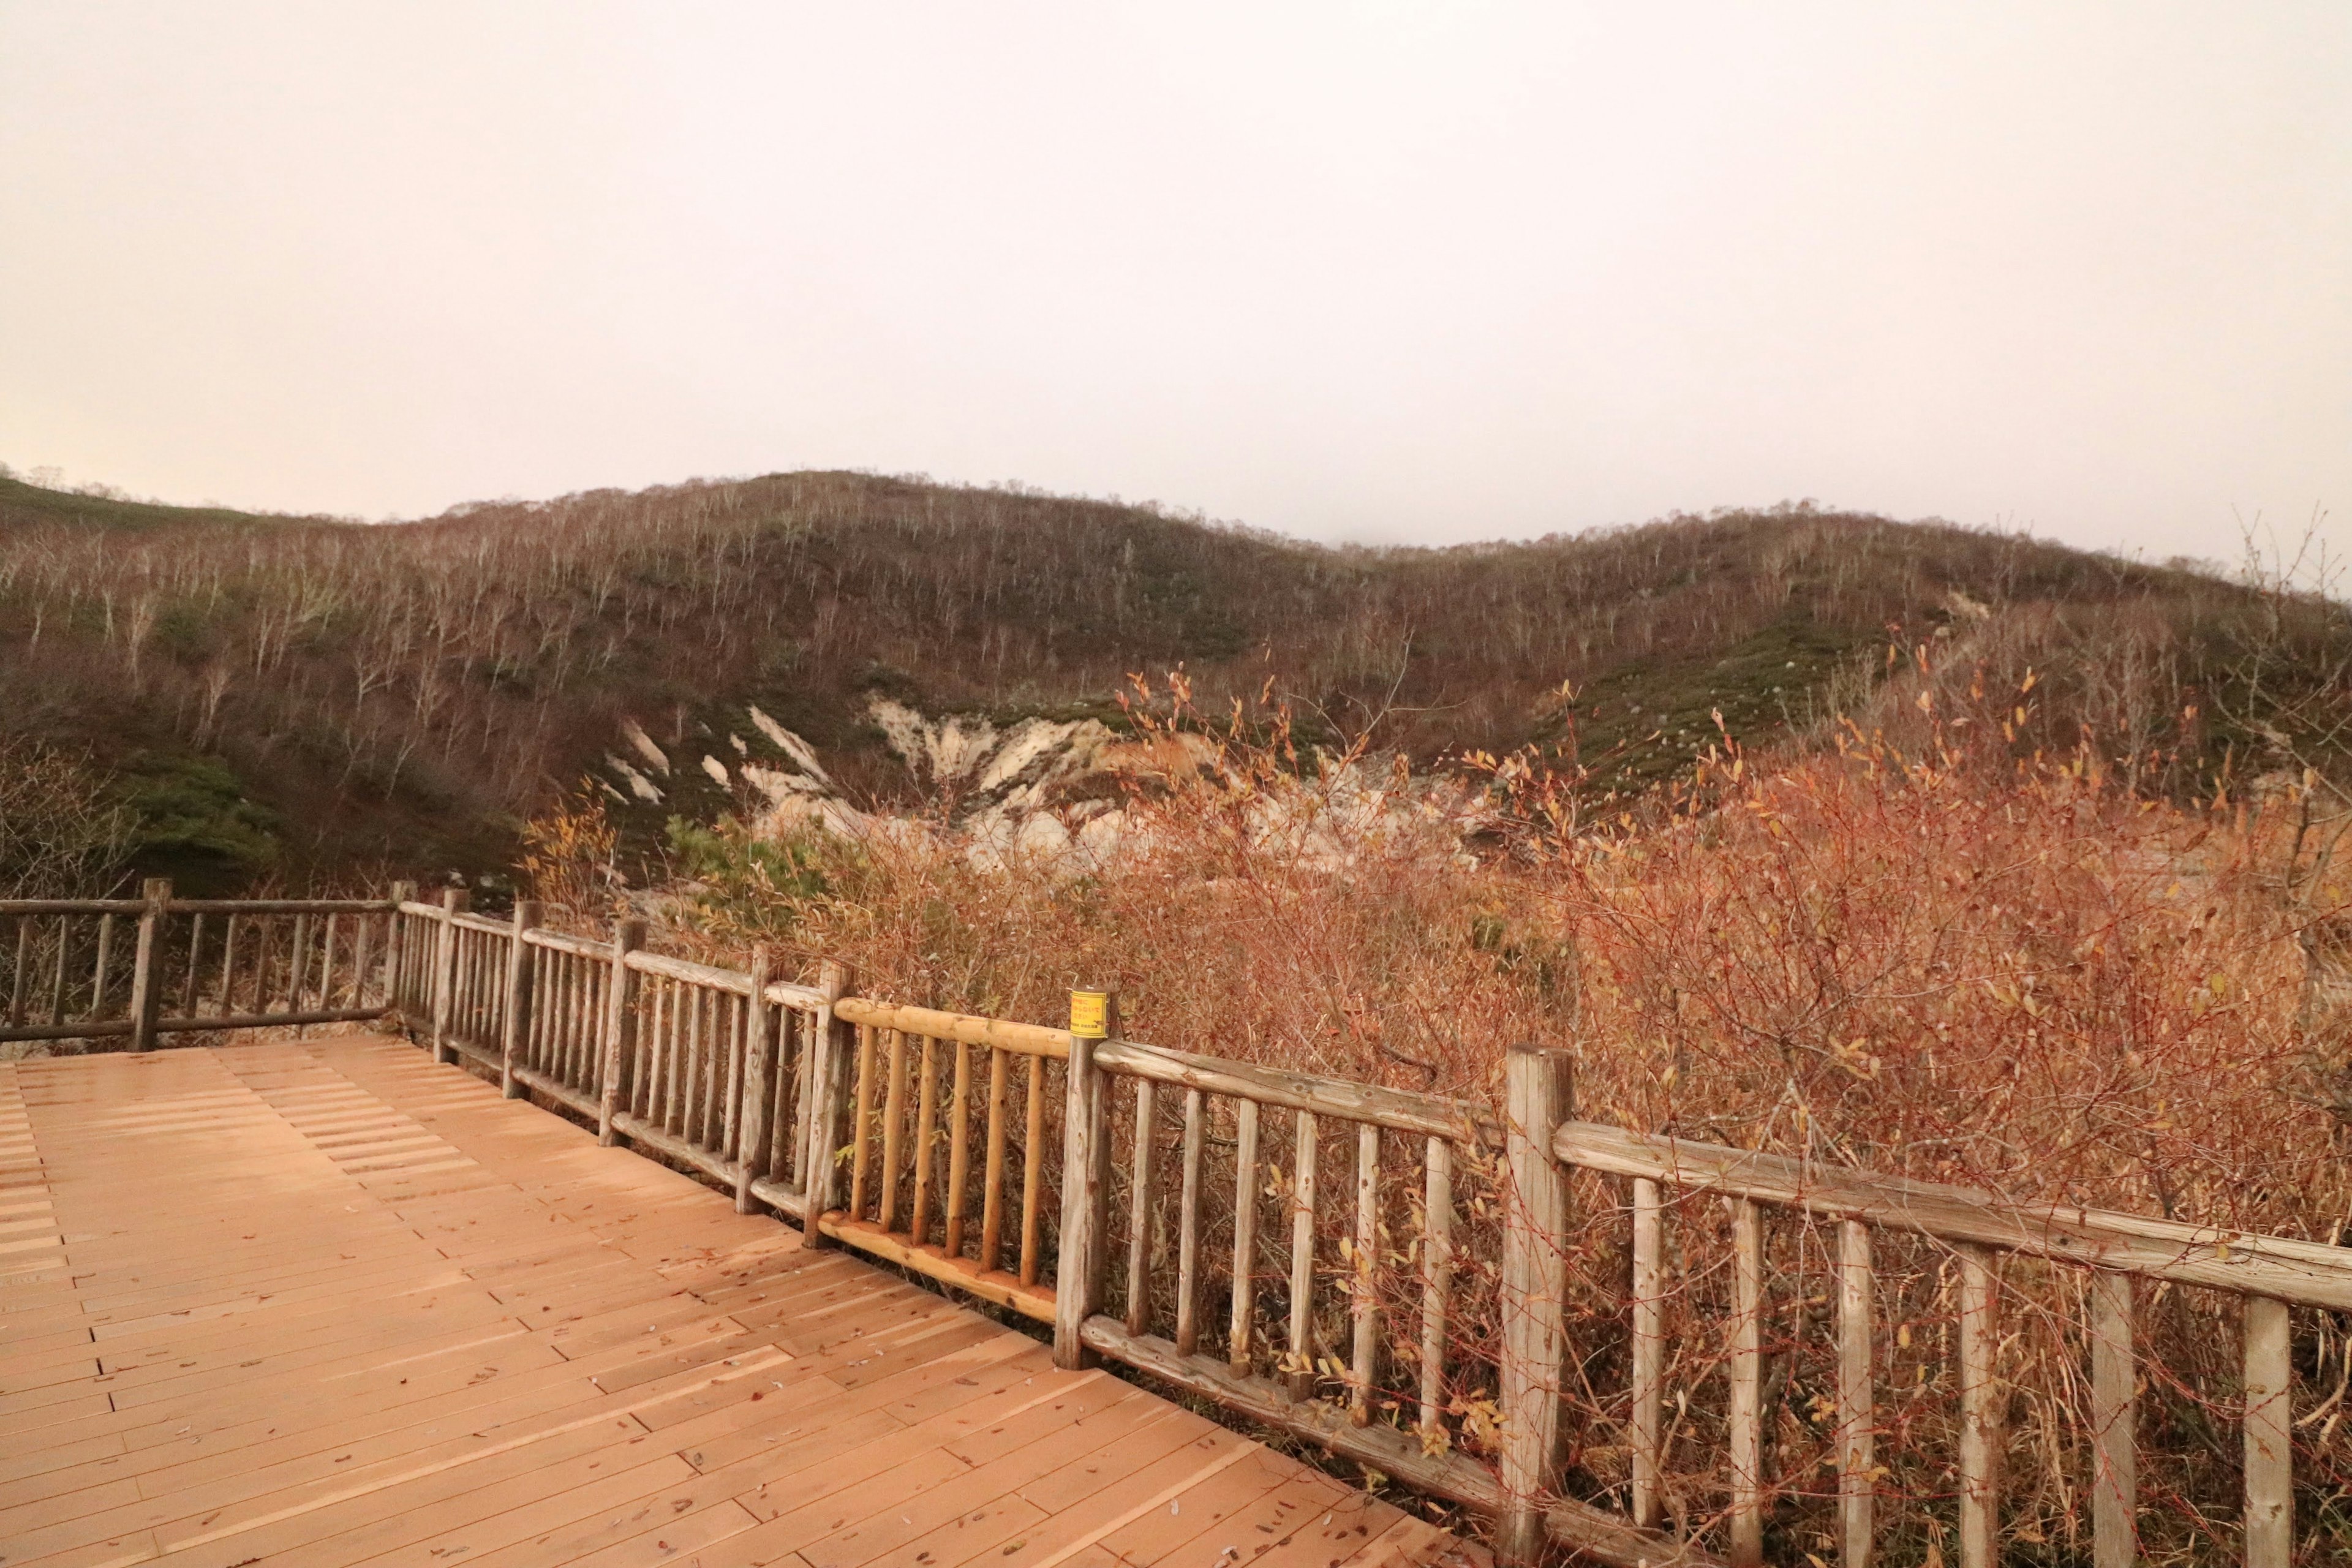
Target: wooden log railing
[(136, 969), (1380, 1272), (2271, 1275)]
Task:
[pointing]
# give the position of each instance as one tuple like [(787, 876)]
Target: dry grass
[(1952, 961)]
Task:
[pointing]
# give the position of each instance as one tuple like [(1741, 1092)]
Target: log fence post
[(444, 972), (146, 974), (396, 950), (835, 1044), (1541, 1085), (1086, 1179), (514, 1038), (758, 1086), (620, 1030)]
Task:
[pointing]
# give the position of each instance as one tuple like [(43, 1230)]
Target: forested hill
[(290, 697)]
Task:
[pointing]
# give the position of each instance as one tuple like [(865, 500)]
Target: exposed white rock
[(639, 785), (635, 734), (789, 743)]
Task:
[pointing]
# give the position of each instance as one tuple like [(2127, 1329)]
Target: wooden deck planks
[(328, 1303)]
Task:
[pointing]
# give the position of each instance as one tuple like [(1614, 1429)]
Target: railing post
[(2268, 1435), (396, 950), (1086, 1172), (518, 998), (620, 1028), (758, 1086), (1541, 1086), (146, 979), (835, 1043), (444, 972)]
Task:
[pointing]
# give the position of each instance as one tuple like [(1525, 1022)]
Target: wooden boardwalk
[(326, 1302)]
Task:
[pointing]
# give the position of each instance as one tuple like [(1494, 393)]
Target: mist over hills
[(307, 698)]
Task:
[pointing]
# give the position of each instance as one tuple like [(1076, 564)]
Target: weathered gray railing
[(2270, 1274), (107, 968), (1381, 1272)]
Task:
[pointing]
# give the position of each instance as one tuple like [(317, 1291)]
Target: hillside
[(298, 697)]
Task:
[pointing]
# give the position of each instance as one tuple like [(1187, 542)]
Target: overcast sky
[(1372, 271)]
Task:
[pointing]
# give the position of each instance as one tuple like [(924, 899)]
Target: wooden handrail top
[(279, 906), (1430, 1115), (2282, 1268), (558, 941), (204, 907), (1028, 1039), (688, 972), (784, 994)]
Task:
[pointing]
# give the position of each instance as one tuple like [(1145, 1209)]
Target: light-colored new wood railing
[(96, 969), (1380, 1272), (947, 1173)]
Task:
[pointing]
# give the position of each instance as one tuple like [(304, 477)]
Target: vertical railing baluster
[(623, 1054), (795, 1094), (927, 1133), (228, 965), (327, 963), (1188, 1229), (1856, 1435), (2114, 1484), (894, 1115), (759, 1090), (16, 975), (1747, 1375), (1436, 1279), (1243, 1325), (1032, 1174), (789, 1101), (861, 1128), (363, 929), (1649, 1348), (58, 982), (958, 1149), (991, 1195), (97, 975), (1365, 1307), (675, 999), (444, 977), (655, 1078), (1302, 1259), (189, 984), (297, 966), (701, 1030), (1981, 1423), (1139, 1177)]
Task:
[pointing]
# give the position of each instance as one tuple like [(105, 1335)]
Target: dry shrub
[(61, 834), (1953, 964), (568, 862)]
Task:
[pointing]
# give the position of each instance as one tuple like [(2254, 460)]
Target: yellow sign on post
[(1090, 1015)]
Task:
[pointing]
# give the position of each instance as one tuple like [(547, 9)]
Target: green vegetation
[(193, 821)]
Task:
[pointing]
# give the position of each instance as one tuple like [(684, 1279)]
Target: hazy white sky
[(1375, 271)]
